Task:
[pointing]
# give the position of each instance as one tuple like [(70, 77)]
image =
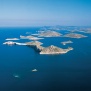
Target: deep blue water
[(68, 72)]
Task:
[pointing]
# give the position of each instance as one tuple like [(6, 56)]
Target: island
[(55, 50), (30, 37), (49, 33), (13, 43), (12, 39), (74, 35), (88, 30), (39, 48), (9, 43), (66, 42), (48, 50), (34, 43)]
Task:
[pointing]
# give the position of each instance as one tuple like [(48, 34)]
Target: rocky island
[(13, 43), (88, 30), (49, 33), (30, 37), (12, 39), (9, 43), (42, 50), (74, 35), (66, 42), (55, 50), (48, 50), (34, 43)]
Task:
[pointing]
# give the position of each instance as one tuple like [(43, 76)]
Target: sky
[(45, 12)]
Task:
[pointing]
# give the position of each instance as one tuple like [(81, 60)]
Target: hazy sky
[(45, 12)]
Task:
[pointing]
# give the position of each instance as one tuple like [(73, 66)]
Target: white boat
[(34, 70)]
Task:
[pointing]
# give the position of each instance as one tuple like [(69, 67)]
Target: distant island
[(66, 42), (49, 33), (12, 39), (88, 30), (74, 35), (30, 37)]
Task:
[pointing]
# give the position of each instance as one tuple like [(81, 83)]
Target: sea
[(65, 72)]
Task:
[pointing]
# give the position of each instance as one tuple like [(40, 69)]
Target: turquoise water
[(68, 72)]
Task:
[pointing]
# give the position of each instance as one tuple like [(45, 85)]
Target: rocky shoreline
[(42, 50), (52, 49)]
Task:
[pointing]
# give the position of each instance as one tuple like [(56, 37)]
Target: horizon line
[(50, 26)]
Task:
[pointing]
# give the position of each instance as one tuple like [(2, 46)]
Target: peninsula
[(36, 45)]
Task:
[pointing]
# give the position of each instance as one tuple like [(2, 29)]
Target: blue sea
[(66, 72)]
